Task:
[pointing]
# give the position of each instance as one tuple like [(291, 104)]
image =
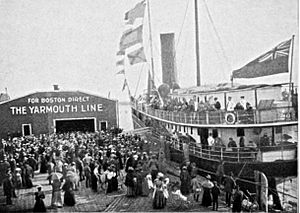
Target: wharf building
[(56, 112)]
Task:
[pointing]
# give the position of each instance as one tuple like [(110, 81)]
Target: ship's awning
[(223, 87)]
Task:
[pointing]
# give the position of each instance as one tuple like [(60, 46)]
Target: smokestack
[(168, 60)]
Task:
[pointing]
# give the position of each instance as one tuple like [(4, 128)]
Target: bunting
[(136, 12), (132, 37), (273, 62), (137, 56)]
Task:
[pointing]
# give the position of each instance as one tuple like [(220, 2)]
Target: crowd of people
[(103, 162), (194, 105)]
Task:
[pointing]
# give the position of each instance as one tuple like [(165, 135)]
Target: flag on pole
[(124, 85), (273, 62), (120, 62), (137, 12), (131, 37), (137, 56)]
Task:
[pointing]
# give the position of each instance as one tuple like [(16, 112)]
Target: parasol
[(71, 176), (55, 175)]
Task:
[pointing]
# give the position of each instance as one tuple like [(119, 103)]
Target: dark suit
[(8, 190)]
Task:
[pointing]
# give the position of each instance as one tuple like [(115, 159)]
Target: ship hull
[(280, 168)]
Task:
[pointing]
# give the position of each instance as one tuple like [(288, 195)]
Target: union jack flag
[(272, 62), (280, 50)]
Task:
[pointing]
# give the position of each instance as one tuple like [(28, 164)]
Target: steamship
[(272, 117)]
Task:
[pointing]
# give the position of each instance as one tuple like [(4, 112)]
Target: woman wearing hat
[(39, 205), (69, 196), (185, 180), (112, 181), (207, 186), (160, 194), (131, 182)]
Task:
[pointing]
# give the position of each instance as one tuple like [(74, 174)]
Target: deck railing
[(245, 154), (254, 116)]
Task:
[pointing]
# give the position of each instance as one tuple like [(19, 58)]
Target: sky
[(73, 43)]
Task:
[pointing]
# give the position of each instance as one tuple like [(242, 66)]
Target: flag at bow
[(273, 62)]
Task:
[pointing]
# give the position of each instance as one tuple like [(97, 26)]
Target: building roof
[(54, 92)]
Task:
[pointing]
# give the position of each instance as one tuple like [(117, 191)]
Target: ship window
[(191, 130), (240, 132), (184, 129)]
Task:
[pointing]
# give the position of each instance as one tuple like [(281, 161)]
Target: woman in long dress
[(160, 193), (112, 181), (207, 186), (39, 205), (130, 183), (56, 200), (43, 164), (69, 197), (185, 180), (139, 184)]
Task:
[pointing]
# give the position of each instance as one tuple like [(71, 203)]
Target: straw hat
[(208, 177)]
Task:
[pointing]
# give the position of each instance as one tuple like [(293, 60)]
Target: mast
[(150, 73), (291, 74), (197, 44)]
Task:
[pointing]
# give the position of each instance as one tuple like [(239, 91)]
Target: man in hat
[(8, 188), (243, 102), (230, 105), (265, 140), (231, 143), (229, 185), (215, 191), (217, 104)]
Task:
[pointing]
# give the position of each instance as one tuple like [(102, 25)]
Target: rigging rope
[(136, 88), (217, 34), (178, 39), (185, 14)]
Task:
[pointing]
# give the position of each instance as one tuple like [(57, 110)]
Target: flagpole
[(151, 47), (291, 73)]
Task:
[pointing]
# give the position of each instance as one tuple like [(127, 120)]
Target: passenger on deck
[(230, 105), (243, 102), (217, 104), (210, 140), (242, 142), (219, 143), (265, 140), (251, 144), (232, 143)]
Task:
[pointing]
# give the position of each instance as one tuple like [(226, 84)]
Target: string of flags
[(131, 42)]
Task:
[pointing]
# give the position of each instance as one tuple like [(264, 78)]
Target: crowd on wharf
[(107, 162)]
